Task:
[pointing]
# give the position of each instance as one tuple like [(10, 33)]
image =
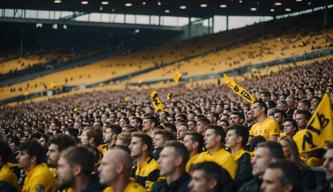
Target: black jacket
[(180, 185), (244, 171), (251, 186)]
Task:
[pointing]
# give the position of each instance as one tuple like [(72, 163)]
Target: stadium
[(158, 95)]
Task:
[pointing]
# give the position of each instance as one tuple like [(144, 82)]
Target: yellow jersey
[(147, 173), (6, 174), (191, 161), (131, 187), (267, 128), (39, 179), (222, 158)]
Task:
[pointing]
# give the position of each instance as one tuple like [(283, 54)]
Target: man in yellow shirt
[(57, 144), (194, 142), (265, 126), (236, 140), (145, 169), (115, 169), (6, 172), (38, 177), (214, 138)]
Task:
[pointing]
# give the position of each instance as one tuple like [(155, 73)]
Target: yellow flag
[(239, 90), (177, 77), (169, 97), (319, 128), (157, 103)]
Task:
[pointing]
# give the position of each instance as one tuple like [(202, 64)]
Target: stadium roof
[(193, 8)]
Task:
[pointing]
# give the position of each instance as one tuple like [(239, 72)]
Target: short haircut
[(114, 128), (239, 114), (306, 114), (261, 104), (33, 148), (212, 171), (170, 126), (241, 131), (145, 139), (180, 150), (293, 122), (197, 137), (214, 115), (275, 149), (125, 137), (204, 121), (6, 153), (96, 134), (290, 172), (152, 119), (283, 114), (81, 156), (306, 102), (218, 131), (167, 136), (138, 120), (62, 141)]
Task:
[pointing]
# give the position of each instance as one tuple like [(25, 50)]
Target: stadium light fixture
[(288, 9), (223, 6), (299, 0), (253, 9), (57, 1), (105, 2), (277, 3), (128, 4), (272, 10), (144, 3), (84, 2), (204, 5), (182, 7), (167, 11), (159, 3)]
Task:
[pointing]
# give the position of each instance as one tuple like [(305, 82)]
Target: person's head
[(194, 142), (150, 122), (137, 123), (160, 137), (281, 176), (259, 109), (236, 118), (279, 116), (141, 145), (290, 127), (192, 124), (115, 165), (6, 153), (43, 140), (302, 117), (57, 144), (265, 154), (237, 136), (124, 139), (214, 136), (74, 162), (213, 117), (173, 158), (208, 177), (290, 149), (182, 128), (202, 125), (304, 105), (92, 137), (31, 153), (328, 161), (110, 133)]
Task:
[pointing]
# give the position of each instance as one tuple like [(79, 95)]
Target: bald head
[(115, 165)]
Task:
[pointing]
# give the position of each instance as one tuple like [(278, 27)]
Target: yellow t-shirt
[(191, 161), (131, 187), (6, 174), (239, 154), (266, 129), (221, 157), (38, 179)]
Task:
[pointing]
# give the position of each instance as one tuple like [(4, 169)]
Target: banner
[(177, 77), (157, 103), (318, 130), (239, 90), (169, 97)]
